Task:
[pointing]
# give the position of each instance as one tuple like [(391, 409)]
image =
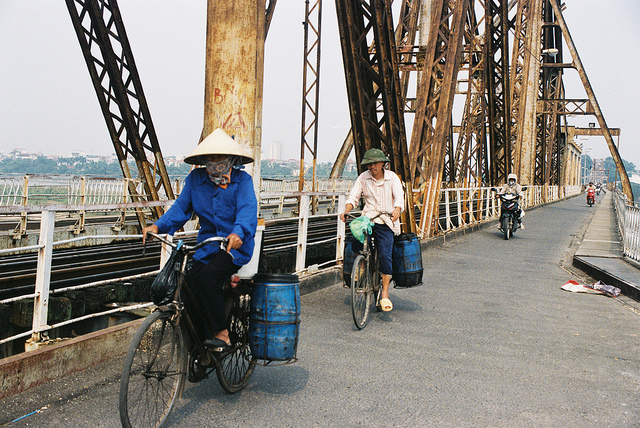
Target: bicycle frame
[(362, 291), (177, 305)]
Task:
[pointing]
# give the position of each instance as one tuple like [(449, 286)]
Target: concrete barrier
[(61, 358)]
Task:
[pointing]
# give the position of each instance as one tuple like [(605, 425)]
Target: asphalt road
[(490, 339)]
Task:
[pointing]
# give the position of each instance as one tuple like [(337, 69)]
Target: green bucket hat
[(373, 156)]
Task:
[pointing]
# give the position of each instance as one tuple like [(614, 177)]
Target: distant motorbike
[(509, 211)]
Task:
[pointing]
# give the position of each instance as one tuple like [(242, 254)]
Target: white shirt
[(379, 196)]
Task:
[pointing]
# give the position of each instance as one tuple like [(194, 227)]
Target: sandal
[(386, 305)]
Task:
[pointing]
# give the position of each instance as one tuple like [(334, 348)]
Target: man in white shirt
[(382, 192)]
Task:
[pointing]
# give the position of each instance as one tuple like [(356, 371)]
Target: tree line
[(80, 166)]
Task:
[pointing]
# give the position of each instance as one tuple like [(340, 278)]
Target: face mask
[(219, 168), (512, 182)]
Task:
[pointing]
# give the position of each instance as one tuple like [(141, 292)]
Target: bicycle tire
[(236, 366), (361, 292), (154, 372)]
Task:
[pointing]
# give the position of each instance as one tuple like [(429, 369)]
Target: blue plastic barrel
[(347, 262), (407, 261), (274, 328)]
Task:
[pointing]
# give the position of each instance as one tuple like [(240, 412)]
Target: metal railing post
[(43, 279), (303, 224), (21, 229), (341, 229), (447, 214), (80, 225), (459, 206)]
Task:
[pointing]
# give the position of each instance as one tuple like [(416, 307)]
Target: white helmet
[(218, 143), (512, 175)]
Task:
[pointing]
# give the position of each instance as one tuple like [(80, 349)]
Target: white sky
[(48, 104)]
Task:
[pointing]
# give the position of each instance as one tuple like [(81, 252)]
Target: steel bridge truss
[(514, 113), (98, 25), (373, 84)]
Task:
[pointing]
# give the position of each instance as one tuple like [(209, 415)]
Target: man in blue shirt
[(223, 198)]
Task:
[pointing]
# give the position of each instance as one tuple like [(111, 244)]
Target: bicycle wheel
[(361, 292), (154, 372), (236, 366)]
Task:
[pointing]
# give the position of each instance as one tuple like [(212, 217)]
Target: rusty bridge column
[(234, 71)]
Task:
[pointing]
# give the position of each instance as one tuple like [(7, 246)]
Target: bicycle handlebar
[(191, 248), (388, 214)]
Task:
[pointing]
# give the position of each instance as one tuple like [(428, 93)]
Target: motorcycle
[(591, 197), (509, 212)]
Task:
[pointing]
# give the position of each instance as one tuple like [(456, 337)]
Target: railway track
[(81, 265)]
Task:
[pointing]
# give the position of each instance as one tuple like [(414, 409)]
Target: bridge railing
[(463, 206), (628, 215), (42, 292)]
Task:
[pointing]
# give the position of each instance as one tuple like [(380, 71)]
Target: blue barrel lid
[(406, 237), (265, 278)]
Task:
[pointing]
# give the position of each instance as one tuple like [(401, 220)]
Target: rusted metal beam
[(525, 71), (435, 93), (624, 178), (271, 7), (234, 74), (310, 92), (375, 97), (565, 107), (596, 132), (497, 62), (469, 165), (107, 52)]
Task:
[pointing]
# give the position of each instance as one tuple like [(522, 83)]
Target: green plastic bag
[(359, 226)]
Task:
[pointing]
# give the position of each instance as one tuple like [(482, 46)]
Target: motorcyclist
[(512, 186), (591, 191)]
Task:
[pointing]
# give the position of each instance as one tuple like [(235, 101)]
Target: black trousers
[(206, 282)]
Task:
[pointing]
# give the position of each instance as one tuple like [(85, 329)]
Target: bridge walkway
[(600, 252), (489, 339)]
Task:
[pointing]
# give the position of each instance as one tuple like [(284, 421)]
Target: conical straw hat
[(218, 143)]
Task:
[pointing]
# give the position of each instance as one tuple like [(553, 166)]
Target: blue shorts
[(383, 237)]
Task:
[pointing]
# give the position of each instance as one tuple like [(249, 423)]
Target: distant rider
[(591, 192), (512, 186)]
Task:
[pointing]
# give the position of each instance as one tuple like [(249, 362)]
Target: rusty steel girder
[(551, 88), (373, 88), (408, 58), (469, 165), (270, 8), (525, 69), (624, 178), (310, 92), (103, 40), (432, 124), (376, 103), (497, 26)]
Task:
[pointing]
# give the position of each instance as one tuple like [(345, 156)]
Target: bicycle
[(366, 281), (167, 347)]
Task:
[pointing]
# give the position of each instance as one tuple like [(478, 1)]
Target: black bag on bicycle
[(164, 286)]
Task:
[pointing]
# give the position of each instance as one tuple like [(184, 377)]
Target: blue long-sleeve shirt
[(220, 211)]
